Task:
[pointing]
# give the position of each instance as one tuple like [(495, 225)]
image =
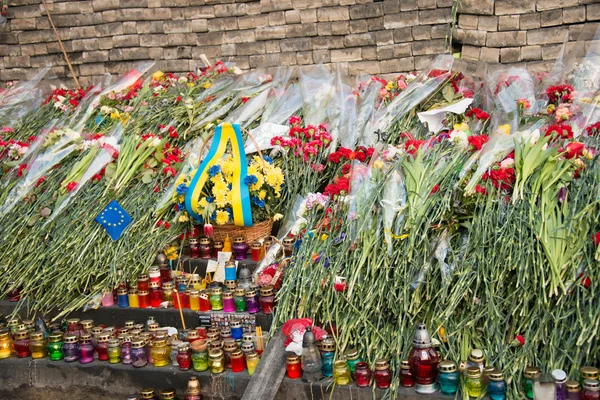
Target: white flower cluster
[(16, 151)]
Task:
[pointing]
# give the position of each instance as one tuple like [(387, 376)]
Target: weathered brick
[(593, 12), (471, 52), (363, 39), (265, 60), (391, 6), (374, 24), (222, 24), (83, 32), (488, 23), (301, 30), (126, 41), (86, 44), (475, 38), (421, 32), (552, 18), (340, 55), (327, 42), (239, 36), (510, 55), (505, 7), (530, 21), (547, 35), (369, 53), (324, 28), (149, 27), (156, 40), (321, 56), (22, 24), (529, 53), (467, 21), (328, 14), (440, 31), (489, 54), (130, 27), (253, 21), (182, 39), (437, 46), (551, 52), (403, 35), (177, 26), (408, 5), (480, 7), (552, 4), (91, 69), (27, 37), (54, 59), (401, 20), (299, 44), (340, 28), (304, 57), (246, 49), (364, 67), (508, 23), (383, 38), (94, 56), (574, 15), (270, 32), (292, 17), (356, 26), (426, 4), (27, 50), (394, 51), (439, 16), (135, 4), (444, 3), (272, 46), (309, 15), (277, 18), (199, 12), (503, 39), (397, 65), (230, 10), (366, 11), (228, 50), (15, 62), (175, 3)]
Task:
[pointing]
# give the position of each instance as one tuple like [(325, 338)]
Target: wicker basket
[(250, 233)]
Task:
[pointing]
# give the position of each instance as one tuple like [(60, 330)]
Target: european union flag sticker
[(114, 219)]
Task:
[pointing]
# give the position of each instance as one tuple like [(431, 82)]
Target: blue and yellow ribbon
[(240, 195)]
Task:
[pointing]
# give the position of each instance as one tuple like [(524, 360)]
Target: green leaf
[(146, 178), (448, 93), (110, 170)]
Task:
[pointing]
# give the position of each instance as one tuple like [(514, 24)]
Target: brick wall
[(522, 31), (375, 37)]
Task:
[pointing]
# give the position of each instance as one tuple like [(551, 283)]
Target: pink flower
[(295, 120), (7, 129), (208, 230), (169, 171)]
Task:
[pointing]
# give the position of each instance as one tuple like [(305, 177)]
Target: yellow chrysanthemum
[(277, 217), (157, 75), (390, 85), (227, 166), (203, 202), (222, 217), (262, 194), (221, 199), (219, 186), (260, 180), (183, 218)]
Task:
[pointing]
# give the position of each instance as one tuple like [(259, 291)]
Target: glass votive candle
[(217, 247), (199, 355), (205, 248), (474, 382), (204, 300), (134, 301), (143, 283), (108, 299), (230, 285), (194, 248), (102, 346), (497, 386), (240, 299), (155, 294), (85, 348), (126, 350), (362, 374), (252, 360), (240, 248), (256, 251), (55, 346), (230, 271), (288, 246), (383, 374), (154, 275), (216, 299), (448, 377), (267, 299), (184, 358), (216, 361), (114, 351), (293, 367), (251, 302), (144, 298), (122, 298), (194, 300), (341, 373), (167, 293), (228, 302), (139, 355), (22, 343), (37, 345), (238, 361), (6, 345), (237, 331), (70, 348)]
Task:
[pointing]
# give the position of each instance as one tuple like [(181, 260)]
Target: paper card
[(434, 118), (223, 257), (263, 135), (211, 266)]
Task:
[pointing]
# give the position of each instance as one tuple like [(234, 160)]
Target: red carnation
[(477, 141), (435, 189), (169, 171), (71, 186), (244, 99), (560, 131), (412, 146), (519, 341), (574, 149), (596, 238)]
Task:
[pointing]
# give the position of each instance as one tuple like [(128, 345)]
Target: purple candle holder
[(252, 302), (240, 248)]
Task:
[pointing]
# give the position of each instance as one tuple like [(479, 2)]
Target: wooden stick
[(180, 310), (60, 43)]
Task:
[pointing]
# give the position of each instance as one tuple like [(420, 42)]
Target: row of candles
[(215, 350), (206, 248), (156, 289), (426, 372), (193, 392)]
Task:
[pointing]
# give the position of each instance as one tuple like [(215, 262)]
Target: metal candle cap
[(70, 339), (309, 338), (495, 376), (559, 376), (573, 386), (591, 385), (381, 365), (530, 372), (473, 371), (421, 339), (476, 356), (447, 366), (589, 373)]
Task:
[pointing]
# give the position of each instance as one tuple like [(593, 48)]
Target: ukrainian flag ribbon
[(240, 195)]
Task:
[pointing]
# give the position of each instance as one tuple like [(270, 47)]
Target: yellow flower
[(378, 164), (324, 237), (277, 217), (221, 199), (207, 85), (115, 114), (157, 75), (504, 129), (171, 253), (203, 203), (222, 217), (262, 194), (461, 127), (180, 180), (191, 84), (390, 85), (183, 218), (227, 166)]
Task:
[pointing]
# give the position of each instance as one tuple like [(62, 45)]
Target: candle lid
[(55, 337), (14, 322), (328, 344), (228, 294), (351, 354), (138, 343), (591, 385), (476, 356), (28, 322), (248, 346), (216, 290), (193, 386), (167, 286), (143, 277), (495, 375), (225, 331), (288, 241), (193, 241), (70, 339), (147, 393), (22, 334), (340, 364), (216, 344), (589, 372), (154, 269), (447, 366), (239, 291), (256, 245), (3, 335), (488, 369), (114, 342), (205, 241), (405, 364), (132, 291), (160, 342), (37, 336), (183, 346), (248, 337), (293, 359), (381, 365), (167, 394), (71, 321), (215, 353), (573, 386), (239, 239), (87, 324), (267, 290), (217, 243), (154, 285), (143, 293), (236, 324), (530, 372), (104, 337), (252, 356), (251, 293), (559, 376), (474, 372), (229, 345), (85, 337), (231, 284), (193, 334), (153, 326), (421, 339)]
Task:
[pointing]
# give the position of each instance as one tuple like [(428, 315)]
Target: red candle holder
[(362, 374), (293, 367), (144, 299)]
